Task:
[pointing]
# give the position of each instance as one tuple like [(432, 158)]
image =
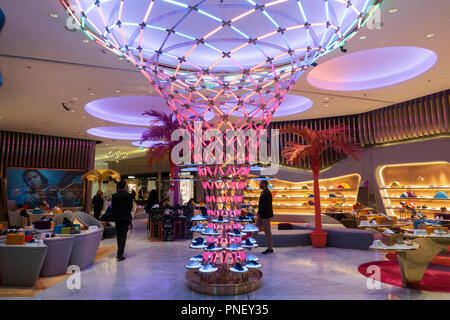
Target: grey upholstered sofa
[(349, 238), (87, 220), (20, 264), (286, 238), (84, 248), (57, 257)]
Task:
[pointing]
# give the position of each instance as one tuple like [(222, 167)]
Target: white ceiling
[(44, 65)]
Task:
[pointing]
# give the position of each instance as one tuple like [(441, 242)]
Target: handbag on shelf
[(391, 239)]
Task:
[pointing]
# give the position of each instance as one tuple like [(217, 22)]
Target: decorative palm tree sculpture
[(316, 142), (160, 132), (101, 175)]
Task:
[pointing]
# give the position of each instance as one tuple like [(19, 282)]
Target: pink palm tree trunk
[(318, 217)]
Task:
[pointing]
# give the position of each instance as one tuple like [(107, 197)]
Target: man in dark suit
[(265, 213), (122, 204), (97, 203)]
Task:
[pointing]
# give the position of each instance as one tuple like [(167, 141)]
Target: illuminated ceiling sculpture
[(234, 59)]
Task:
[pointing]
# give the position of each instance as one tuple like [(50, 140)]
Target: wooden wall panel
[(421, 117)]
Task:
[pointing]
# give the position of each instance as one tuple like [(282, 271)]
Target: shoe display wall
[(338, 194), (419, 187)]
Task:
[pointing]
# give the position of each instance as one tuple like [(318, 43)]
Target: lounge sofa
[(57, 257), (348, 238), (84, 248), (286, 238), (20, 264)]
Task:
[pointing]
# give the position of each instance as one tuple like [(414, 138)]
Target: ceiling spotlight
[(362, 37), (430, 35), (393, 10), (325, 98), (74, 99), (53, 15), (325, 105), (91, 93), (65, 107), (85, 40), (343, 49), (117, 91)]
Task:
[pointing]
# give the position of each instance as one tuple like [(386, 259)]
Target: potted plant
[(160, 132), (101, 175), (315, 143)]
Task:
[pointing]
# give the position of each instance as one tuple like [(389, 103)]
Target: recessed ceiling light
[(53, 15), (430, 35), (325, 105), (120, 58), (117, 91), (91, 93), (362, 37), (393, 10), (326, 98), (74, 99), (72, 110), (85, 40), (84, 117)]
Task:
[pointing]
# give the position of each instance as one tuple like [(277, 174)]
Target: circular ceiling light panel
[(201, 55), (291, 104), (120, 133), (129, 109), (145, 144), (371, 69)]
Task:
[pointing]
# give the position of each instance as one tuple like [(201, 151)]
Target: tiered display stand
[(224, 268)]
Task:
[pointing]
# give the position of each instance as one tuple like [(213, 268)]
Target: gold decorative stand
[(223, 282), (414, 263)]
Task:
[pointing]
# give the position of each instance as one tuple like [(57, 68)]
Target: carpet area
[(43, 283), (436, 277)]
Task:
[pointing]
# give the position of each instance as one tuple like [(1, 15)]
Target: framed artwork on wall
[(30, 187)]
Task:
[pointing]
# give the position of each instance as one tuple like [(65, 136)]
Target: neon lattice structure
[(224, 188), (236, 59)]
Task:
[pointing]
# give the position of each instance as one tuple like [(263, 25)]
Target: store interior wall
[(427, 150)]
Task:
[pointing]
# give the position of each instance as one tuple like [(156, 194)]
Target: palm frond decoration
[(316, 142), (160, 131), (101, 175)]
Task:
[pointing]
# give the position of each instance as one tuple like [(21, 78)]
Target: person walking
[(122, 205), (265, 213), (97, 203), (152, 199)]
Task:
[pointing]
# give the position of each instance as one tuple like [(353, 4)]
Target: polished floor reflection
[(155, 270)]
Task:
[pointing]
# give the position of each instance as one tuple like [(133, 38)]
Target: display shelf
[(417, 199), (419, 209), (418, 188), (289, 197), (424, 179)]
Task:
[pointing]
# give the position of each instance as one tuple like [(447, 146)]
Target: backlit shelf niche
[(297, 197), (417, 185)]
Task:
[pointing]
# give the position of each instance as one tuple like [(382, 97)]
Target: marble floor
[(155, 270)]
